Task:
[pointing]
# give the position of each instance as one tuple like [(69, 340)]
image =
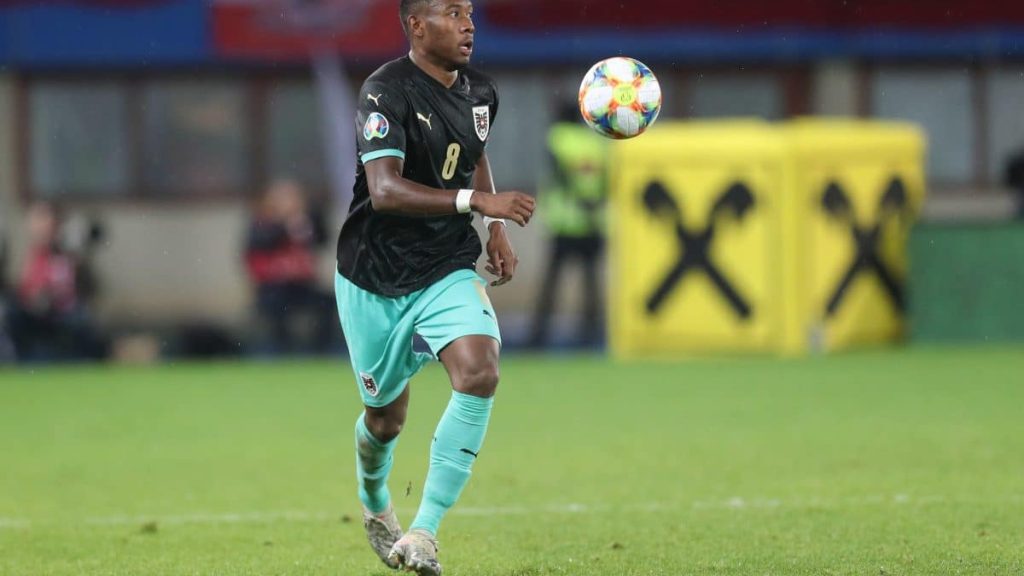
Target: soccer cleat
[(417, 552), (383, 531)]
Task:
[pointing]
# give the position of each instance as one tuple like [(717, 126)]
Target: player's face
[(448, 31)]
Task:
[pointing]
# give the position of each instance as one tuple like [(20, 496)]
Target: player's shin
[(457, 441), (373, 464)]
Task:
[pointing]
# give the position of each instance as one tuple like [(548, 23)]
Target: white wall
[(835, 89), (164, 264)]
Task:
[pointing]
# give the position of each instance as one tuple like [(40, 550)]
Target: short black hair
[(405, 8)]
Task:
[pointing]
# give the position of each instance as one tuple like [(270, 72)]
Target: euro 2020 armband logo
[(376, 126)]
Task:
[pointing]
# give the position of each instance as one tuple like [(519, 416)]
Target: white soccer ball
[(620, 98)]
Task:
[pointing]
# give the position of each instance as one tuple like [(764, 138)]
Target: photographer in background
[(281, 257), (48, 317)]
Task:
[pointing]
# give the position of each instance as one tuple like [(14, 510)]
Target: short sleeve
[(381, 116)]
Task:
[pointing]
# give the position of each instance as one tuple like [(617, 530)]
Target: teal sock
[(457, 441), (373, 464)]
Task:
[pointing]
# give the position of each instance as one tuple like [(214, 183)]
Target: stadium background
[(122, 83), (165, 119)]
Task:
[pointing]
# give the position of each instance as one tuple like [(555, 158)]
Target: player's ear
[(415, 26)]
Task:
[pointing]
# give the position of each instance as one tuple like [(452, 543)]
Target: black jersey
[(440, 133)]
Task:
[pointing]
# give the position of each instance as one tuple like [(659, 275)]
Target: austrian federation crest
[(369, 383), (482, 121)]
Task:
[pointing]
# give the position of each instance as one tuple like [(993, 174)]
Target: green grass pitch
[(873, 463)]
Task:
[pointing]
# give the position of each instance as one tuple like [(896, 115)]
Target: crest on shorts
[(482, 121), (369, 383)]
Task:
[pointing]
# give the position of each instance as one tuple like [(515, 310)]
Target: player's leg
[(377, 431), (378, 332), (472, 365), (458, 323)]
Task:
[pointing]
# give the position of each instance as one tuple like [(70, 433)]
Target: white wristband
[(462, 201), (488, 221)]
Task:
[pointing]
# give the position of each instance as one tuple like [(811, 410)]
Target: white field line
[(212, 518), (736, 503), (10, 523)]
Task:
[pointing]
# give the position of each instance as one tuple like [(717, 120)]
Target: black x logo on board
[(694, 245), (893, 204)]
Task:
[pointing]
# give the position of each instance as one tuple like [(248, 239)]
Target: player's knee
[(479, 379), (384, 429)]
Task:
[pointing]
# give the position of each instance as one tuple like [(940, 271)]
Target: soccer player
[(406, 264)]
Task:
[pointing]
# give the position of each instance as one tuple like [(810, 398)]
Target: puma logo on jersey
[(374, 98), (425, 120)]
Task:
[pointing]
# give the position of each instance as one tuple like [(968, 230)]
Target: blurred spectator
[(573, 207), (1015, 179), (48, 316), (281, 258)]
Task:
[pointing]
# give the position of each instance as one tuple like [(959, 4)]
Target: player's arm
[(501, 259), (391, 193), (483, 182)]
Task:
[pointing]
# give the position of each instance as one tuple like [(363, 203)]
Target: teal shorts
[(379, 330)]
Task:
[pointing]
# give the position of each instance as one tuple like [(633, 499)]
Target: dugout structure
[(745, 236)]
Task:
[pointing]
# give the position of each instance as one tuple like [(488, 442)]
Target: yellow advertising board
[(859, 186), (747, 236)]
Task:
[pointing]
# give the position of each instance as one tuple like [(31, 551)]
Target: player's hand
[(514, 206), (501, 260)]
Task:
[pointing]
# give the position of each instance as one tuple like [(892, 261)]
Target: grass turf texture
[(904, 462)]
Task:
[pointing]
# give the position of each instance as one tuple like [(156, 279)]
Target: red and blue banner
[(740, 15), (136, 33), (745, 30), (88, 33), (290, 29)]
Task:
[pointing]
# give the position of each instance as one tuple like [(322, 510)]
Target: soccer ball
[(620, 98)]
